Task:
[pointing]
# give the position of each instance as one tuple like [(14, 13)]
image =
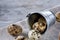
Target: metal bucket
[(47, 15)]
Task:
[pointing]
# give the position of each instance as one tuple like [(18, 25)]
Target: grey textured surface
[(16, 10)]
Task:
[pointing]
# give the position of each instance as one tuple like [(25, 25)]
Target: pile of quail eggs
[(34, 34)]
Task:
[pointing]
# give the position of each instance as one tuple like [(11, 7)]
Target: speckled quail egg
[(59, 36), (57, 16), (14, 30), (21, 38), (41, 27), (34, 35)]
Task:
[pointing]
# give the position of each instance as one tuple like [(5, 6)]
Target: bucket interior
[(33, 18)]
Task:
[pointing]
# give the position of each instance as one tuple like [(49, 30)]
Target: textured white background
[(15, 10)]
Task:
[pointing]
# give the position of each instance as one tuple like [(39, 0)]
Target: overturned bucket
[(47, 16)]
